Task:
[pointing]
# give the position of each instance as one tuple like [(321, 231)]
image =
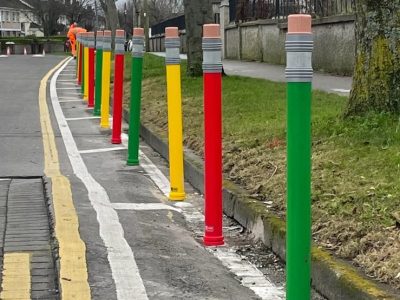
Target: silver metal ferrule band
[(99, 43), (91, 43), (138, 47), (107, 43), (299, 49), (172, 46), (119, 45), (212, 55)]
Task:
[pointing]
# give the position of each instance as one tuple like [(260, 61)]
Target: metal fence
[(248, 10)]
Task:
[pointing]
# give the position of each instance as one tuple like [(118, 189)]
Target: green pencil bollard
[(299, 46), (136, 94), (99, 72), (83, 45)]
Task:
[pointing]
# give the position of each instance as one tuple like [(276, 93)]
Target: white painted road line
[(128, 283), (156, 175), (71, 100), (247, 273), (68, 88), (341, 90), (144, 206), (101, 150), (81, 118)]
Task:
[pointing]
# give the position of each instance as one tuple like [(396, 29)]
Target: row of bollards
[(93, 74)]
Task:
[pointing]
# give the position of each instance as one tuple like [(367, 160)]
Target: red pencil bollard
[(91, 44), (118, 85), (212, 81)]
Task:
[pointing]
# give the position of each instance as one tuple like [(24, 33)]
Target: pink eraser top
[(137, 31), (299, 23), (171, 32), (107, 33), (211, 31), (99, 33), (120, 33)]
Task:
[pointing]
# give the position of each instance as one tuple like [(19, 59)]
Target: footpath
[(325, 82)]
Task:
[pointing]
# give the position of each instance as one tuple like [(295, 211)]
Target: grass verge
[(356, 162)]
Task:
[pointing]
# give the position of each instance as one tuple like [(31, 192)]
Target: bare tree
[(111, 14), (48, 13), (197, 13), (79, 11), (161, 10)]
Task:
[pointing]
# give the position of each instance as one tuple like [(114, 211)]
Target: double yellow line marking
[(16, 276), (73, 276)]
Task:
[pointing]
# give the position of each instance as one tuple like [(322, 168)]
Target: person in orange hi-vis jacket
[(72, 32)]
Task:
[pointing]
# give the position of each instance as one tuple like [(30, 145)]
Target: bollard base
[(213, 241), (174, 196), (116, 141), (133, 162), (96, 113), (105, 126)]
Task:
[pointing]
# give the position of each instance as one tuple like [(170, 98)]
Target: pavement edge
[(333, 278)]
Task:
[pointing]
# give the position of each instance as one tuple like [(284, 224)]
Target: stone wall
[(264, 40)]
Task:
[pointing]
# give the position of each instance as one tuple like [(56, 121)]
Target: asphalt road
[(138, 244), (21, 147)]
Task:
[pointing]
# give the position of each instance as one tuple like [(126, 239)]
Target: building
[(17, 19)]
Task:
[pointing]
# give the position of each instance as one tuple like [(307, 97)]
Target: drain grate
[(24, 227)]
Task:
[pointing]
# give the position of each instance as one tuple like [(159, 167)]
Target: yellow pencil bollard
[(105, 86), (173, 68), (86, 68)]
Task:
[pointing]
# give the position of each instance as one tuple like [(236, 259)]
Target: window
[(6, 18)]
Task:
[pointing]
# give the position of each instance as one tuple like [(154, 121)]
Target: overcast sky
[(120, 2)]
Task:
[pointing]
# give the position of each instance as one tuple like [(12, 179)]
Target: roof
[(34, 25), (16, 4)]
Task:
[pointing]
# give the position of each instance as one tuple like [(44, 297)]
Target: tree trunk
[(110, 11), (197, 13), (112, 15), (376, 80)]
